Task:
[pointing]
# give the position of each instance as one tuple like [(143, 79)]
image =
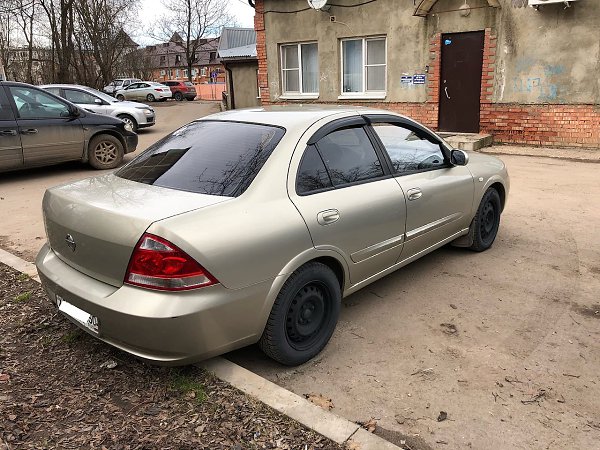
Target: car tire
[(178, 96), (105, 152), (487, 221), (130, 120), (120, 97), (303, 316), (150, 98)]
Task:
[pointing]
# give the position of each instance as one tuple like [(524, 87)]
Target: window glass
[(35, 104), (408, 151), (300, 67), (53, 90), (134, 86), (79, 97), (5, 109), (364, 65), (349, 156), (188, 83), (312, 174), (207, 157)]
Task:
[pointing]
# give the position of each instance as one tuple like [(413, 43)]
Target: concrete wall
[(547, 56), (244, 84)]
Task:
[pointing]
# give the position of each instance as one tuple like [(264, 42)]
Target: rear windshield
[(206, 157)]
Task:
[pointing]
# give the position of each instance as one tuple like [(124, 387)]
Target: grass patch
[(23, 277), (23, 297), (71, 337), (188, 385)]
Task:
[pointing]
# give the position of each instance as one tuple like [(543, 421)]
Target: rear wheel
[(178, 96), (130, 120), (486, 221), (120, 97), (150, 98), (105, 152), (304, 315)]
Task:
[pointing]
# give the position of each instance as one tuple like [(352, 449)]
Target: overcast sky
[(150, 10)]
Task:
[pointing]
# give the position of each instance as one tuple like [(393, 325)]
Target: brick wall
[(261, 52)]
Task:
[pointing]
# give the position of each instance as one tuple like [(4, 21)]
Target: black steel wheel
[(486, 221), (178, 96), (304, 315)]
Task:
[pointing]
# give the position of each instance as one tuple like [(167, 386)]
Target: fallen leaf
[(4, 378), (442, 416), (319, 400), (370, 425), (12, 417)]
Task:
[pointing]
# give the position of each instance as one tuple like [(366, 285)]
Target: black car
[(38, 128)]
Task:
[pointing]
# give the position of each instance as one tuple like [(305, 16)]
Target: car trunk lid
[(94, 224)]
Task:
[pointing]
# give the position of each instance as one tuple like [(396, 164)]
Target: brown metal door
[(460, 87)]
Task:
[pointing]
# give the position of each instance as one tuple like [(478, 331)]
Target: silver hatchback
[(138, 115), (252, 225)]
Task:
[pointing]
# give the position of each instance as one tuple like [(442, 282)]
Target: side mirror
[(459, 158), (97, 101), (74, 111)]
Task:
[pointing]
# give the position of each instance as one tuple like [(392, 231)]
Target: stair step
[(467, 141)]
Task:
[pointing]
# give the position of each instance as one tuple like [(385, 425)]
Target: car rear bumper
[(162, 327)]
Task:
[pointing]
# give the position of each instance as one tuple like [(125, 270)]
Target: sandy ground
[(505, 342), (21, 224)]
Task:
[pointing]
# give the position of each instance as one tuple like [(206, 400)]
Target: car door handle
[(328, 216), (8, 133), (414, 194), (29, 131)]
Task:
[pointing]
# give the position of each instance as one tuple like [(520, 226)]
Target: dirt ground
[(505, 342), (63, 389)]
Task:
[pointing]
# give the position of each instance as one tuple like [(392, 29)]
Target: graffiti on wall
[(539, 81)]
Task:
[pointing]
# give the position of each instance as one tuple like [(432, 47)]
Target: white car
[(145, 90), (135, 114), (119, 83)]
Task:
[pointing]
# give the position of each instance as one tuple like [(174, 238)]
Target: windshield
[(102, 95), (206, 157)]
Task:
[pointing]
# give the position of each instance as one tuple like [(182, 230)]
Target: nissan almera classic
[(251, 226)]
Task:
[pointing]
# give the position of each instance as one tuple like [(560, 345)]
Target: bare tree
[(60, 15), (194, 21), (26, 15), (7, 26)]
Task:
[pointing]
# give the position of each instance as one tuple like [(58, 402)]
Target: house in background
[(237, 51), (524, 75)]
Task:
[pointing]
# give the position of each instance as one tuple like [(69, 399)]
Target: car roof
[(66, 86), (291, 116)]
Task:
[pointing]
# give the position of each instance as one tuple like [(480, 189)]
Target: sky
[(151, 9)]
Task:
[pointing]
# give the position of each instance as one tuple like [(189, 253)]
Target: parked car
[(138, 115), (38, 128), (145, 90), (119, 83), (181, 90), (251, 225)]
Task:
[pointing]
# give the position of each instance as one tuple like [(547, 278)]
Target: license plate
[(79, 315)]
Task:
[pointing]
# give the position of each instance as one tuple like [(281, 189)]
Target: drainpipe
[(231, 92)]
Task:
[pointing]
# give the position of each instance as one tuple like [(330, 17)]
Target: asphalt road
[(505, 342)]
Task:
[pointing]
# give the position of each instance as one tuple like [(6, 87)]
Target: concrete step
[(467, 141)]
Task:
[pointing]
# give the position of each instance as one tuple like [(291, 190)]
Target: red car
[(182, 89)]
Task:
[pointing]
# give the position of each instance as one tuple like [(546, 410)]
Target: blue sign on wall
[(419, 78), (406, 79)]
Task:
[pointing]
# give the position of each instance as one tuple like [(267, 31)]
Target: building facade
[(524, 75)]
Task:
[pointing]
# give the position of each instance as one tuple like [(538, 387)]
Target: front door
[(460, 86), (11, 153)]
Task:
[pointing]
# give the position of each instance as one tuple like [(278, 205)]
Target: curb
[(327, 424)]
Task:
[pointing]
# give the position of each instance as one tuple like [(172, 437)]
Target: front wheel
[(120, 97), (130, 120), (150, 98), (487, 221), (105, 152), (304, 315)]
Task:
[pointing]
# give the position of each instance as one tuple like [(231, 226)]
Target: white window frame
[(298, 95), (364, 94)]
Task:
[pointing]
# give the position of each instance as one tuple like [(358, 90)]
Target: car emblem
[(70, 242)]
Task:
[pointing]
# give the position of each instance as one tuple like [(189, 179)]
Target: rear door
[(439, 196), (11, 153), (48, 132), (349, 201)]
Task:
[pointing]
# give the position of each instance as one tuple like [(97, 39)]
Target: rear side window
[(349, 156), (79, 97), (188, 83), (206, 157), (5, 109), (312, 174)]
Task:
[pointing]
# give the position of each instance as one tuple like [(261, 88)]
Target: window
[(177, 59), (300, 69), (212, 56), (185, 73), (162, 60), (35, 104), (176, 73), (5, 109), (162, 73), (53, 90), (203, 72), (349, 156), (79, 97), (207, 157), (409, 150), (312, 174), (364, 66)]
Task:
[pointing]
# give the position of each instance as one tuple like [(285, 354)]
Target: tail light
[(158, 264), (158, 89)]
